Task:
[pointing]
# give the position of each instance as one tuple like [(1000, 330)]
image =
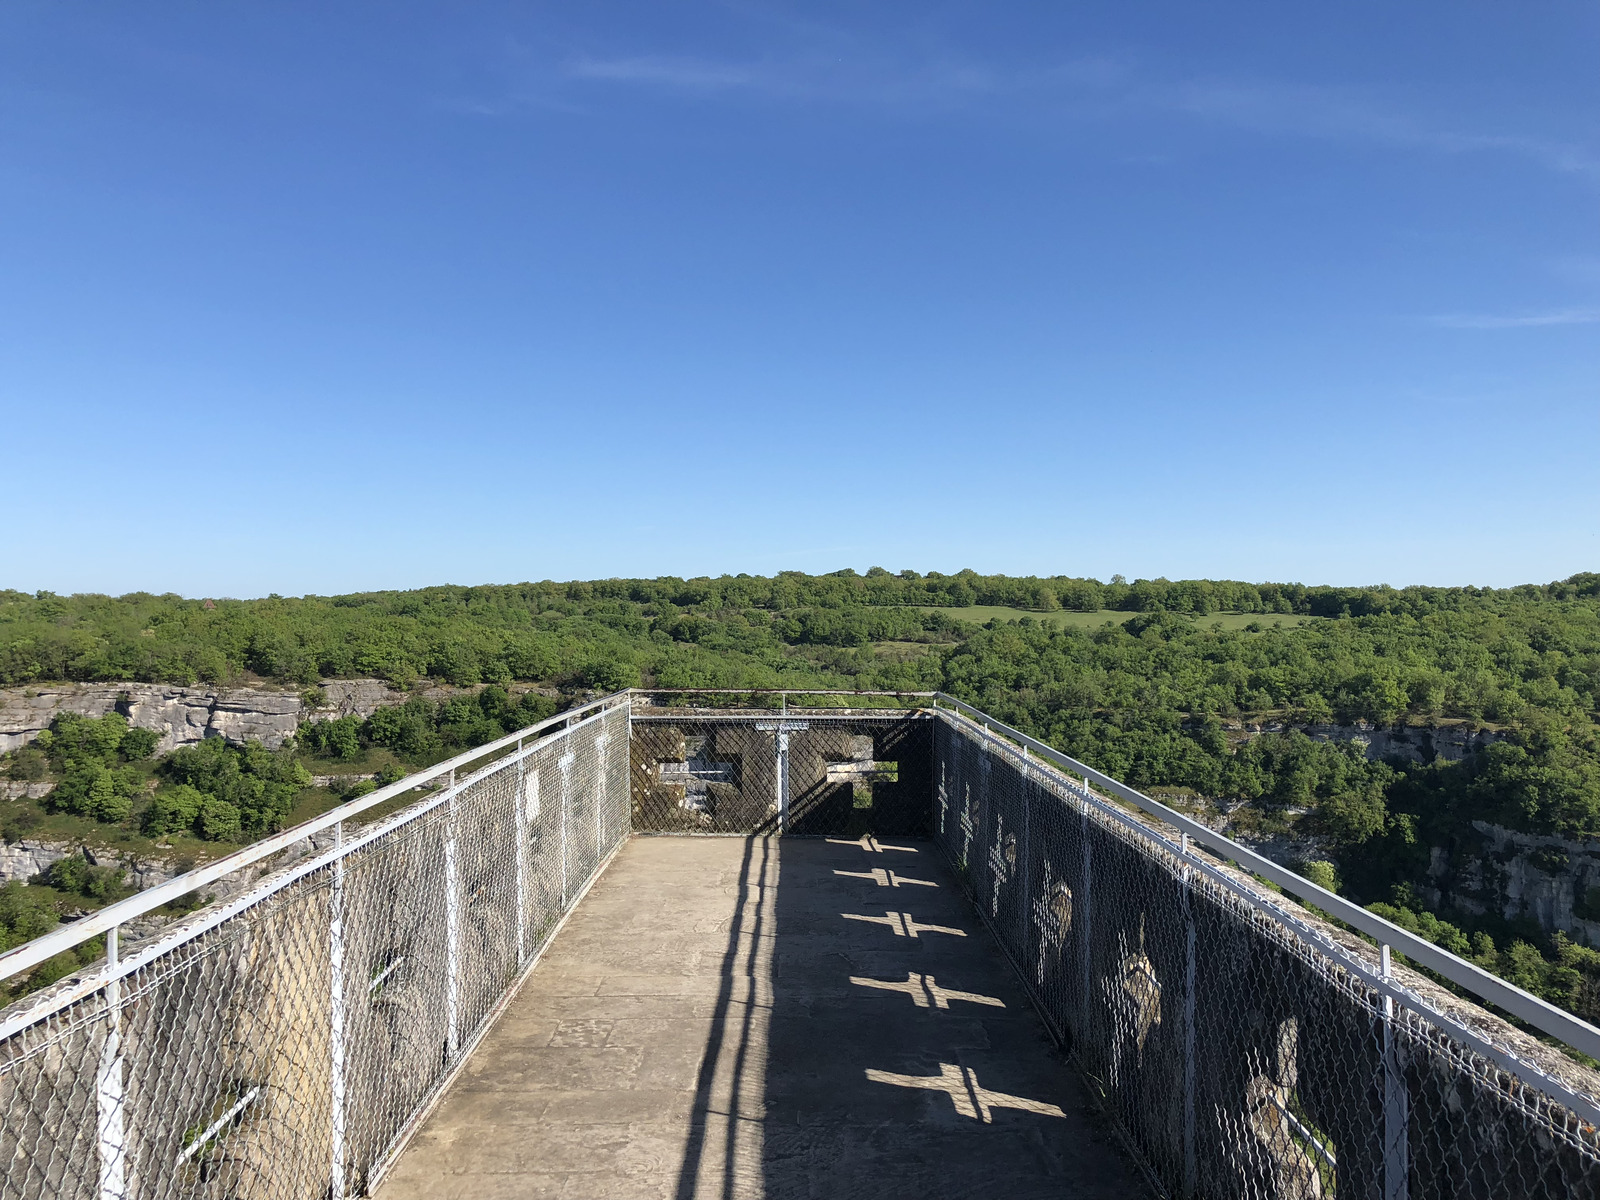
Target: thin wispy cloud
[(1565, 316), (663, 71), (832, 78), (1350, 114), (1087, 88)]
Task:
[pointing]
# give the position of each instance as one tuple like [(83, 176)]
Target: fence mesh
[(281, 1051), (281, 1044), (1239, 1059), (795, 772)]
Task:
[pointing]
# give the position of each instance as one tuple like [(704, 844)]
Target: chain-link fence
[(282, 1043), (795, 772), (1244, 1049)]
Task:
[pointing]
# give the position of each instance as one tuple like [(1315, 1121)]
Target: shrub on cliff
[(173, 810), (339, 739), (94, 757), (24, 915), (243, 790), (420, 730), (77, 876)]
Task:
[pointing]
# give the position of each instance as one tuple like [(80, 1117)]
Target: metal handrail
[(31, 954), (644, 691), (1541, 1014)]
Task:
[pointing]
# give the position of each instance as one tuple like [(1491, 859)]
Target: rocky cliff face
[(185, 715), (356, 697), (1414, 743), (1550, 880), (22, 860), (25, 859), (182, 715)]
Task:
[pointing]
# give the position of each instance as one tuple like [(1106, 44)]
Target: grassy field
[(905, 651), (982, 614)]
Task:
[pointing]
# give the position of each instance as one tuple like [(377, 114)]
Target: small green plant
[(77, 875), (1322, 873), (24, 915), (1316, 1143)]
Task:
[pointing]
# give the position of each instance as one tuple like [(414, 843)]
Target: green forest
[(1152, 684)]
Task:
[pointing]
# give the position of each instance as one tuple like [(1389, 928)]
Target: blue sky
[(302, 297)]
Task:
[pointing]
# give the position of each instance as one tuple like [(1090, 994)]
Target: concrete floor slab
[(736, 1018)]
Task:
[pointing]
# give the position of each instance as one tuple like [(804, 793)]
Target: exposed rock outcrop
[(1548, 880), (1414, 743), (16, 789), (25, 859), (182, 715), (1552, 881), (185, 715), (356, 697)]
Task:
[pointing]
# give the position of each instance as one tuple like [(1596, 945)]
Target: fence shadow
[(870, 1040)]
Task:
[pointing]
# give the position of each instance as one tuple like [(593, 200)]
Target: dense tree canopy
[(733, 630)]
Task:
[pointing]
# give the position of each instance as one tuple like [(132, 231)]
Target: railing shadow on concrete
[(284, 1040)]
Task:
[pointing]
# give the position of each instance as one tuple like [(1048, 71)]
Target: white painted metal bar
[(31, 954), (111, 1143), (522, 820), (1368, 973), (1086, 918), (1025, 846), (381, 976), (336, 1025), (218, 1125), (600, 799), (781, 692), (783, 781), (1396, 1103), (564, 764), (1190, 982), (1572, 1030), (452, 931)]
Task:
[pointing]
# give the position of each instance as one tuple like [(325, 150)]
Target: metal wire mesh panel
[(799, 773), (279, 1045), (1241, 1056)]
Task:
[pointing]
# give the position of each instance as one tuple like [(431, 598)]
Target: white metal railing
[(284, 1041), (30, 954), (1541, 1014), (1242, 1048)]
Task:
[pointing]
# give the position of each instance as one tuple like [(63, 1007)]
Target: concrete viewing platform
[(733, 1017)]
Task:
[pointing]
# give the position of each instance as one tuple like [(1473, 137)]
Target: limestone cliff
[(185, 715), (182, 715), (1413, 743), (1552, 881)]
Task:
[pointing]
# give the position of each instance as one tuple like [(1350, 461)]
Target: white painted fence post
[(452, 928), (110, 1093), (336, 1023), (1396, 1103), (1190, 1166), (565, 763), (520, 822)]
